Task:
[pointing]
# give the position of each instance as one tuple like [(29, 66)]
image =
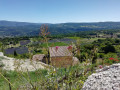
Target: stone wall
[(61, 61)]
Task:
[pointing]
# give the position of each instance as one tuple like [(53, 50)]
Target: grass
[(18, 79), (53, 44), (45, 79), (74, 38), (74, 78), (83, 40)]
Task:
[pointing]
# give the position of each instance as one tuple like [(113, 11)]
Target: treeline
[(88, 34), (32, 29), (104, 49), (82, 34)]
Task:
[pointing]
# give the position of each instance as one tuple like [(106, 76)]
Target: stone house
[(60, 56)]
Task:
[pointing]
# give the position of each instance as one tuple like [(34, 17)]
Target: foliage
[(62, 78), (107, 59), (70, 29), (93, 53), (109, 48), (54, 44), (19, 79)]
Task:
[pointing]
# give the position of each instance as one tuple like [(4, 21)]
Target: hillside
[(14, 23), (10, 28)]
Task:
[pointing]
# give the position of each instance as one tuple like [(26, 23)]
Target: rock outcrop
[(107, 78)]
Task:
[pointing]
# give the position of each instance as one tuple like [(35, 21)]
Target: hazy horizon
[(58, 23)]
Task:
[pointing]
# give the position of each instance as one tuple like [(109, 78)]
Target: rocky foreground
[(107, 78), (20, 65)]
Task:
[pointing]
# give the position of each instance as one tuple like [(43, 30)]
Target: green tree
[(109, 48), (15, 53)]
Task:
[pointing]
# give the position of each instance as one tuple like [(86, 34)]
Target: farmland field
[(18, 50)]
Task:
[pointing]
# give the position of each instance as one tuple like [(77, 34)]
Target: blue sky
[(60, 11)]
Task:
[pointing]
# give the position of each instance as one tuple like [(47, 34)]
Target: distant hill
[(14, 23), (10, 28)]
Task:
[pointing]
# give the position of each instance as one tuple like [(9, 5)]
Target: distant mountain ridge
[(15, 23), (13, 28)]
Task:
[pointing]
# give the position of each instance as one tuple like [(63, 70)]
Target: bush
[(109, 48), (101, 55), (111, 58)]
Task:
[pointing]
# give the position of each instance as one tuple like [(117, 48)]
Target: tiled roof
[(60, 51)]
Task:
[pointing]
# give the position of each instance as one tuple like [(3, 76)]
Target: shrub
[(111, 58), (109, 48)]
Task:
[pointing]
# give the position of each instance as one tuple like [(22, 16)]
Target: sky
[(60, 11)]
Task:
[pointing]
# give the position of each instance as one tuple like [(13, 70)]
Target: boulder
[(107, 78)]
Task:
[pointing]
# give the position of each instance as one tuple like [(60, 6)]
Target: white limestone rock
[(107, 78)]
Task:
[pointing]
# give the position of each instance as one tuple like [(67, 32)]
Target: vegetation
[(18, 79), (92, 50), (1, 63), (70, 78), (10, 29)]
